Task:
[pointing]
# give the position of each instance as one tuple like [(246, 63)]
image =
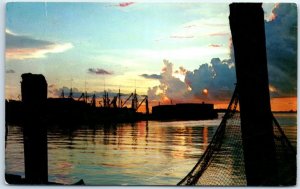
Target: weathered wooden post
[(248, 37), (34, 96)]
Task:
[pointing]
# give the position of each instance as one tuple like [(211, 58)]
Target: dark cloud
[(281, 44), (21, 42), (10, 71), (281, 41), (152, 76), (21, 47), (99, 71), (218, 78)]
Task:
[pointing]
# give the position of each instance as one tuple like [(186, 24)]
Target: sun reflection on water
[(143, 153)]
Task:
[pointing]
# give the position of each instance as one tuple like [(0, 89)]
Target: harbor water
[(141, 153)]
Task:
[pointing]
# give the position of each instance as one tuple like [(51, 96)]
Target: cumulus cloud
[(281, 42), (151, 76), (99, 71), (218, 78), (10, 71), (270, 14), (21, 47), (170, 86)]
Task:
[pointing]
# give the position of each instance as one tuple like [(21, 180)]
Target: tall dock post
[(248, 37), (34, 96)]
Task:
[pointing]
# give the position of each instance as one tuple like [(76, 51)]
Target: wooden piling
[(248, 37), (34, 96)]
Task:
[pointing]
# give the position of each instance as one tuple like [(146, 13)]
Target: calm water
[(143, 153)]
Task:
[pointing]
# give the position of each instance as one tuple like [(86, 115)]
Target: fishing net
[(222, 164), (285, 156)]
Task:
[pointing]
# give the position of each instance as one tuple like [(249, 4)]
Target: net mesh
[(222, 164), (285, 156)]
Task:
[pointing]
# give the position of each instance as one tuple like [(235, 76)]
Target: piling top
[(33, 88), (245, 11), (30, 76)]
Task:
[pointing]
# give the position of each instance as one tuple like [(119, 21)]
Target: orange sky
[(284, 104), (277, 104)]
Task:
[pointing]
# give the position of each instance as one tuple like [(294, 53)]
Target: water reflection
[(142, 153), (117, 153)]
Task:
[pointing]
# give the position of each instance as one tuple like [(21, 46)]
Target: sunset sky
[(168, 51)]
